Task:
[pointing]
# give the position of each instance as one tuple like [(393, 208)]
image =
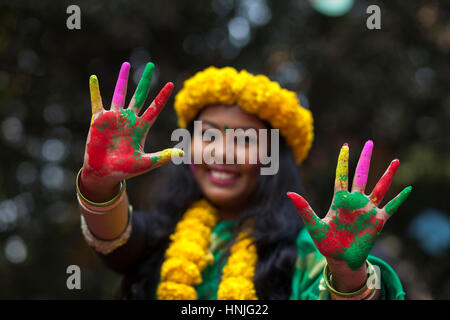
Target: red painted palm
[(115, 143), (354, 220)]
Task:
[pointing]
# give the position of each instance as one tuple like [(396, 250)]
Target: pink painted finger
[(161, 99), (121, 87), (362, 169), (383, 185)]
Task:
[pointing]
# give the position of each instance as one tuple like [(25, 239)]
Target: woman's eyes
[(237, 139), (247, 140), (211, 137)]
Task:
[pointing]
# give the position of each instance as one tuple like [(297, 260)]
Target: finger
[(96, 99), (121, 87), (157, 159), (395, 203), (161, 99), (312, 222), (341, 182), (362, 169), (382, 186), (139, 97)]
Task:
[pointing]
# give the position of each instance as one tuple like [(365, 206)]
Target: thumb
[(157, 159), (304, 209)]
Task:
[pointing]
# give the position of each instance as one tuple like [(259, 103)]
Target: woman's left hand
[(354, 220)]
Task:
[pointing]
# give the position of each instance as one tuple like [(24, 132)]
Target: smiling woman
[(231, 185), (223, 230)]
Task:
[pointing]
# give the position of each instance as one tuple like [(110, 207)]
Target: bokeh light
[(15, 250)]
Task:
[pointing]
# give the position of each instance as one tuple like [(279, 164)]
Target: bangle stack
[(365, 293), (103, 246), (99, 207)]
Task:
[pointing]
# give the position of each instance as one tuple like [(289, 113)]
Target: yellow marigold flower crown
[(254, 94)]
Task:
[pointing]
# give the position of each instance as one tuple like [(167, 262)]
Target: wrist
[(106, 219), (97, 189), (346, 279), (366, 292)]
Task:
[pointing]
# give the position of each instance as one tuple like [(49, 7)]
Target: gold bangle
[(371, 295), (362, 293), (123, 186)]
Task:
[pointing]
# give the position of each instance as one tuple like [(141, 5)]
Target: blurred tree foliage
[(389, 85)]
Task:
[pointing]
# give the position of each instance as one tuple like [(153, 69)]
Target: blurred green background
[(389, 85)]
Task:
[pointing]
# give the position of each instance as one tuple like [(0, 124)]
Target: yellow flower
[(236, 288), (180, 271), (188, 250), (239, 268), (243, 256), (244, 245), (202, 215), (193, 225), (238, 274), (190, 236), (175, 291)]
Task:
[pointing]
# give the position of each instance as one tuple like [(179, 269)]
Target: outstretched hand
[(354, 220), (115, 143)]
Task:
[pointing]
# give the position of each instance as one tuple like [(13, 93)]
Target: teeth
[(222, 175)]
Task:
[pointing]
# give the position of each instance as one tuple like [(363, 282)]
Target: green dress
[(307, 281)]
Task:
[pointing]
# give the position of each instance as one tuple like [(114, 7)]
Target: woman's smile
[(222, 175)]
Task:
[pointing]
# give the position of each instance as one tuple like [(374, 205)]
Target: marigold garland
[(255, 95), (237, 276), (188, 255)]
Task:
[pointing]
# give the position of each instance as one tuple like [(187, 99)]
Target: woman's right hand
[(115, 143)]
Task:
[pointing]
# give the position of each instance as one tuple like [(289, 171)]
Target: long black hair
[(275, 226)]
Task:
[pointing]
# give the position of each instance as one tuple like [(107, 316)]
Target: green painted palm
[(354, 221)]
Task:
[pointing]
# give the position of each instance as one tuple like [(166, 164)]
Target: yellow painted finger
[(96, 99), (154, 160), (341, 182)]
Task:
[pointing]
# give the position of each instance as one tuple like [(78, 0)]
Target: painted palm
[(115, 144), (354, 220)]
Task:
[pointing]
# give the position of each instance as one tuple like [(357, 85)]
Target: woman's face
[(225, 185)]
